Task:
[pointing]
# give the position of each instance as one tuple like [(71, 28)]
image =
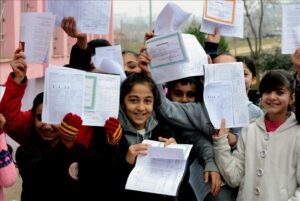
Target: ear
[(253, 81), (292, 99)]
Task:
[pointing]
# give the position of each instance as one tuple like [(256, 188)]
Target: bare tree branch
[(260, 26), (252, 29)]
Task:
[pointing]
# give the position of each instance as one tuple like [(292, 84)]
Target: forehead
[(39, 109), (141, 90), (129, 57), (224, 59), (185, 87)]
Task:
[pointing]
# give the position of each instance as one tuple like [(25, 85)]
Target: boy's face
[(276, 103), (249, 79), (183, 93), (47, 132), (138, 105), (131, 63)]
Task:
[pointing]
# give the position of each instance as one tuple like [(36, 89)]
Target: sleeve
[(204, 151), (8, 173), (297, 104), (18, 123), (296, 196), (211, 48), (231, 165), (187, 116)]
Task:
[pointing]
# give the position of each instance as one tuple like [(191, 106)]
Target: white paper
[(220, 11), (170, 19), (290, 37), (225, 94), (237, 30), (109, 52), (93, 96), (166, 50), (194, 67), (2, 89), (112, 67), (158, 175), (91, 16), (36, 32)]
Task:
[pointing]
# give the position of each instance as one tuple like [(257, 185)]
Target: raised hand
[(143, 60), (68, 24), (69, 128), (223, 130), (2, 121), (214, 38), (113, 131), (19, 66)]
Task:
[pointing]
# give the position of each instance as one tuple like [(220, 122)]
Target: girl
[(138, 98), (8, 172), (266, 162)]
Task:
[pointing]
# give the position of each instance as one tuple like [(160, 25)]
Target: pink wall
[(60, 46)]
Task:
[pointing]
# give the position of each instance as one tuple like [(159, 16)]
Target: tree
[(255, 45), (194, 30)]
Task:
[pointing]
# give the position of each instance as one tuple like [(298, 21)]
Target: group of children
[(74, 162)]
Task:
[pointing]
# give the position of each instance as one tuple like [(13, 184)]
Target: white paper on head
[(112, 67), (170, 19)]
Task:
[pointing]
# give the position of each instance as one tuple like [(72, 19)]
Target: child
[(266, 161), (139, 97), (8, 173), (48, 163), (130, 60), (184, 90), (296, 62)]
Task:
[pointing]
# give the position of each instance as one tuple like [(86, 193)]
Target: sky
[(129, 9)]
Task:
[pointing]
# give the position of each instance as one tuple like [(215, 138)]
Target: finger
[(222, 127), (206, 175), (162, 139)]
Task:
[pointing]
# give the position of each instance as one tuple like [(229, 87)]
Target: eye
[(131, 64), (38, 117), (149, 101), (191, 94), (133, 100), (177, 93)]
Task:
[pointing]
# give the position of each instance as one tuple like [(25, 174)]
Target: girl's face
[(138, 105), (249, 79), (276, 103), (46, 131)]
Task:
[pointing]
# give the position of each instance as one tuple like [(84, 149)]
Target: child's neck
[(277, 117)]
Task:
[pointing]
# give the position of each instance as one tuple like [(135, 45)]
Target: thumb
[(206, 176)]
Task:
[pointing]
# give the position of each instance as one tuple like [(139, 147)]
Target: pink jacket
[(8, 173)]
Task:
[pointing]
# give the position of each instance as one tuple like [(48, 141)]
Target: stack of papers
[(161, 170)]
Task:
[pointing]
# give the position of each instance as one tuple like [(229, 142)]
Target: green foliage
[(275, 60), (194, 29)]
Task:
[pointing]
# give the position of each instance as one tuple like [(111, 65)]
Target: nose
[(184, 99), (141, 107), (272, 95)]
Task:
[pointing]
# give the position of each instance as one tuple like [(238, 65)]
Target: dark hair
[(93, 44), (249, 63), (36, 102), (130, 52), (138, 78), (185, 81), (276, 79)]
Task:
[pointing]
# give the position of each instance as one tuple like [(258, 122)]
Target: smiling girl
[(266, 162)]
